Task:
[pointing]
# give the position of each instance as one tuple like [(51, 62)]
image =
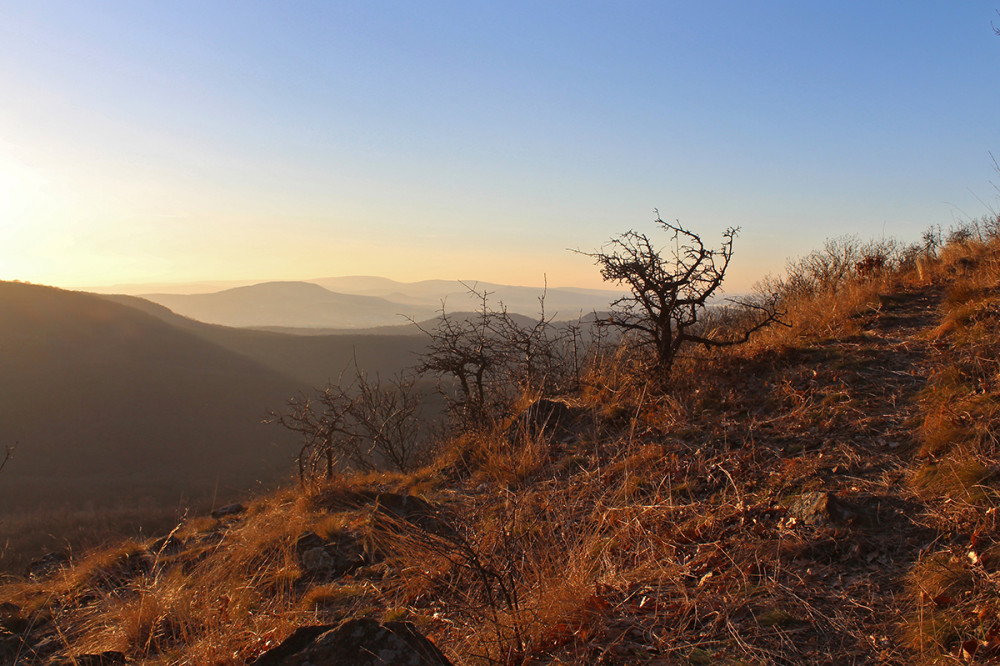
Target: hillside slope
[(311, 359), (295, 304), (107, 402)]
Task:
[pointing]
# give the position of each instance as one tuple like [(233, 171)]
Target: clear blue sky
[(158, 141)]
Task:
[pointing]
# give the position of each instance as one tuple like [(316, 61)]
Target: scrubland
[(826, 493)]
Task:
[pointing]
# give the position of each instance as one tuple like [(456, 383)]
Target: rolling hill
[(366, 303), (294, 304), (108, 402), (312, 359), (122, 395), (565, 302)]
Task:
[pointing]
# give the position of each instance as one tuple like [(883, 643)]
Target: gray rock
[(167, 545), (300, 639), (12, 619), (362, 642), (329, 558), (819, 508), (542, 416), (408, 508), (47, 565)]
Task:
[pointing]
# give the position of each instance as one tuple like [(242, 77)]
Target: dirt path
[(826, 587), (853, 572), (861, 586)]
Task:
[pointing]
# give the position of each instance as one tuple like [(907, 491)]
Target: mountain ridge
[(136, 396)]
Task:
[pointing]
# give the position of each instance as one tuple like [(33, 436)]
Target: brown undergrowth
[(826, 494)]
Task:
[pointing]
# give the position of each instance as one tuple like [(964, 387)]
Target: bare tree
[(492, 356), (538, 356), (363, 423), (669, 295), (321, 422), (466, 350), (386, 423)]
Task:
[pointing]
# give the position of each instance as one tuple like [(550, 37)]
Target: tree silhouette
[(669, 295)]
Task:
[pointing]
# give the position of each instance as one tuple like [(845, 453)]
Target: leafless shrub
[(492, 357), (844, 259), (669, 295), (364, 423), (961, 234), (823, 269), (465, 350), (932, 240), (387, 422), (981, 230), (534, 354)]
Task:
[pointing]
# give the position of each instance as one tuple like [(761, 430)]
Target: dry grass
[(952, 588), (26, 535), (653, 527)]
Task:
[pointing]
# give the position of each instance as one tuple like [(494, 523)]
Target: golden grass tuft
[(335, 596), (957, 477)]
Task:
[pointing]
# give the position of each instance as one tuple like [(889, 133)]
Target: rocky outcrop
[(47, 565), (544, 415), (329, 558), (822, 508), (362, 642), (394, 506)]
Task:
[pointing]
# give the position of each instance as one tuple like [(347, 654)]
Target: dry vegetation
[(825, 494)]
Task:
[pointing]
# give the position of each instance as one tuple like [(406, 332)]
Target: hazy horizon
[(211, 286)]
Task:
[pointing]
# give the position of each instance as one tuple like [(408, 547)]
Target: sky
[(151, 142)]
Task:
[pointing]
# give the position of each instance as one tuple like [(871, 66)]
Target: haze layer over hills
[(367, 302), (114, 399), (313, 359), (124, 396)]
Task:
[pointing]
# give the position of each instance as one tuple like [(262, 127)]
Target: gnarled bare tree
[(669, 294), (466, 350)]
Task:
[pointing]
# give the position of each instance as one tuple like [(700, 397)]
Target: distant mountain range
[(564, 302), (311, 360), (292, 304), (367, 302)]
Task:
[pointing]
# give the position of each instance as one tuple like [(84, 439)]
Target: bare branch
[(363, 423), (8, 454)]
